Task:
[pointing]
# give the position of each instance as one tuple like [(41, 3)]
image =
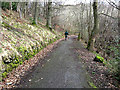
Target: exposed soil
[(98, 72)]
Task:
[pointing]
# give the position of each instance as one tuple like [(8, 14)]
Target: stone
[(9, 83), (30, 80)]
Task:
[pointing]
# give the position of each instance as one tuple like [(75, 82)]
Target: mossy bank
[(20, 40)]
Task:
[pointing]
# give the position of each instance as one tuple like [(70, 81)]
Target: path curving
[(61, 69)]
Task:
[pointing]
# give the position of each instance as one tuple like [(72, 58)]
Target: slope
[(20, 40)]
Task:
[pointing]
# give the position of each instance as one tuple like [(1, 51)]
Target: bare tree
[(90, 21), (49, 15), (25, 9), (119, 28), (113, 4), (10, 5), (0, 14), (19, 9), (45, 8), (35, 13), (95, 28), (119, 20)]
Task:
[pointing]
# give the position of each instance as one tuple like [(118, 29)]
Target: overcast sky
[(84, 1), (66, 2)]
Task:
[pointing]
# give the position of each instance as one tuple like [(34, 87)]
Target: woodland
[(29, 26)]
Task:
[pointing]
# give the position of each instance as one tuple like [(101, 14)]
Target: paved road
[(62, 69)]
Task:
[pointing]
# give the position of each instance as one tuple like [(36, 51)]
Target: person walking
[(66, 33)]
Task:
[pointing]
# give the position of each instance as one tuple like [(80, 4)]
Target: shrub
[(33, 22), (14, 5), (30, 19), (55, 39), (114, 63), (78, 36), (5, 5)]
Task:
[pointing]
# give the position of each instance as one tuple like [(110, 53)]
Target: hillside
[(51, 44), (21, 40)]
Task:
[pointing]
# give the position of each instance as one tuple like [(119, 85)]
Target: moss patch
[(92, 85), (23, 40), (100, 58)]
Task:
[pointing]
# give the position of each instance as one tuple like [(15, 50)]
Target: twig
[(107, 15)]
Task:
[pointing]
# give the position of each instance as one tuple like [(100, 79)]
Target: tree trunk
[(10, 5), (20, 13), (1, 38), (49, 14), (95, 28), (82, 25), (0, 15), (89, 22), (45, 9), (25, 9), (119, 21), (82, 28), (119, 28), (18, 6), (19, 9), (35, 13), (79, 36)]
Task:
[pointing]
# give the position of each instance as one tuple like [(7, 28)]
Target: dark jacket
[(66, 33)]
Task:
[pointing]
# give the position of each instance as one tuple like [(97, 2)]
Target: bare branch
[(113, 4), (107, 15)]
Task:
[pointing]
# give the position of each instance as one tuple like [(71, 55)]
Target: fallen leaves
[(96, 70), (14, 77)]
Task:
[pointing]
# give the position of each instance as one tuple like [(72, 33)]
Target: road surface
[(61, 69)]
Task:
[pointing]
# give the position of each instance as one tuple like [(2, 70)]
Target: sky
[(71, 2), (66, 2)]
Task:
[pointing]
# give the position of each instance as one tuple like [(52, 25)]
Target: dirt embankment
[(98, 71)]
